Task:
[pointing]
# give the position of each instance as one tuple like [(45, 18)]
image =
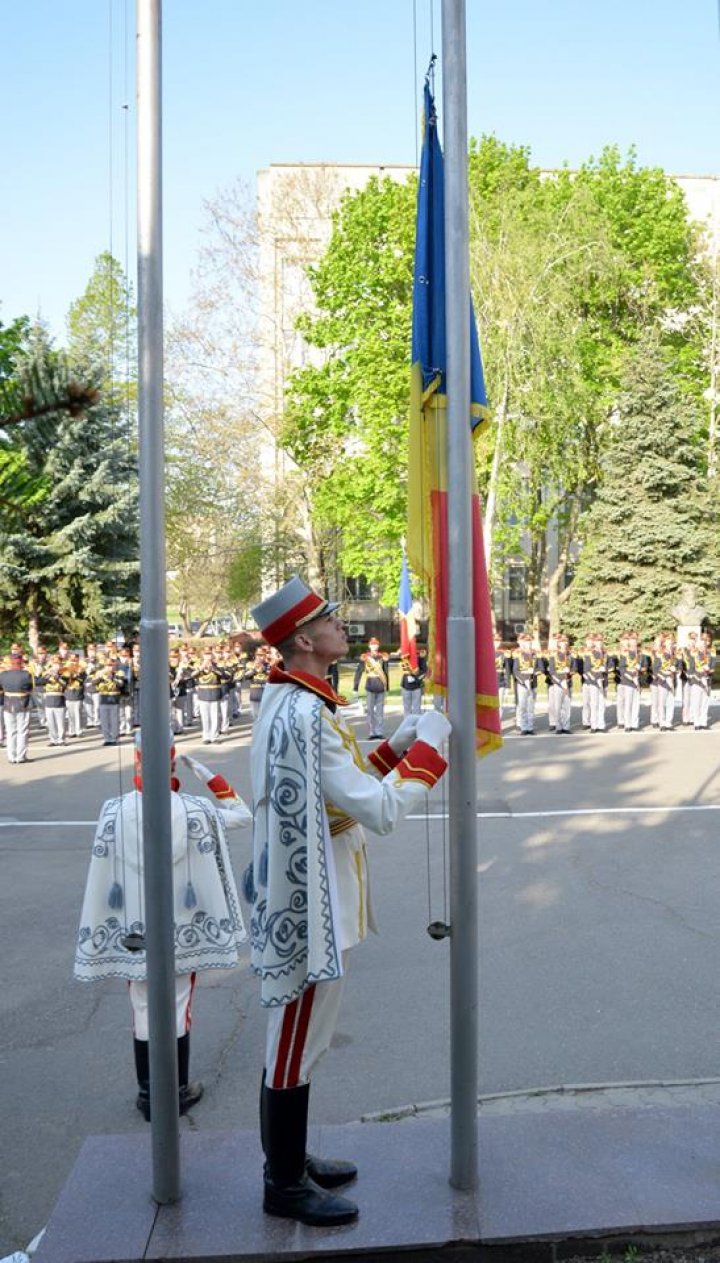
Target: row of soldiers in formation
[(669, 671), (100, 689)]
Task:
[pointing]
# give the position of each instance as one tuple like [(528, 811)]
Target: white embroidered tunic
[(313, 792), (208, 920)]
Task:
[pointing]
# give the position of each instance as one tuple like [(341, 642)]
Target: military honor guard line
[(676, 681), (68, 693)]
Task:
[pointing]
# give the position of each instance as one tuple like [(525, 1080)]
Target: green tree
[(68, 546), (101, 327), (567, 273), (653, 526)]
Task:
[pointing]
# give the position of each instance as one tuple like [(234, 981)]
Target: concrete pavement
[(598, 949)]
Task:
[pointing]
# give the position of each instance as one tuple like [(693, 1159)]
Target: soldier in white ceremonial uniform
[(313, 791), (208, 924)]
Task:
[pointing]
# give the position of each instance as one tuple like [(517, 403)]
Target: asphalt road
[(598, 948)]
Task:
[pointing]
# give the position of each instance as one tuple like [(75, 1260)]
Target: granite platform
[(550, 1185)]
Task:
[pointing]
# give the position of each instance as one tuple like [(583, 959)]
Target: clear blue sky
[(248, 83)]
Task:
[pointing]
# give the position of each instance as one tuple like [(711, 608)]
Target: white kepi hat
[(289, 609)]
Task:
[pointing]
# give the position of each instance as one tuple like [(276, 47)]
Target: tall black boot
[(142, 1070), (327, 1172), (289, 1191), (189, 1093)]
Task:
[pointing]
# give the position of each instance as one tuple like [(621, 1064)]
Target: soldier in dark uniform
[(37, 667), (412, 680), (559, 672), (256, 675), (595, 676), (665, 669), (16, 683), (54, 684), (372, 675), (110, 685), (700, 664), (628, 669), (74, 691), (209, 678), (525, 668)]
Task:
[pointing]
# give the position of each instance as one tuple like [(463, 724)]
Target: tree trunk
[(536, 567), (565, 539), (313, 551), (33, 627), (491, 498)]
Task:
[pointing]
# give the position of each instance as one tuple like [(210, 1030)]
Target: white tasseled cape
[(207, 933)]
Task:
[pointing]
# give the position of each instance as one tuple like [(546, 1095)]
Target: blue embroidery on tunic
[(281, 936)]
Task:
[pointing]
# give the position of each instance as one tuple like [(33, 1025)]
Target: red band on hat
[(288, 622)]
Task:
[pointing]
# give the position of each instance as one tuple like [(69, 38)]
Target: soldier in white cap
[(313, 791)]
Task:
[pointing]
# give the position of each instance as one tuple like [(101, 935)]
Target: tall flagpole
[(461, 623), (154, 700)]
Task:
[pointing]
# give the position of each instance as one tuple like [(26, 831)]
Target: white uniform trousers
[(210, 720), (621, 704), (126, 716), (596, 701), (17, 727), (177, 714), (55, 716), (699, 705), (109, 713), (559, 707), (300, 1032), (225, 712), (412, 701), (586, 705), (525, 711), (375, 712), (666, 706), (184, 988), (631, 718), (74, 717), (654, 705)]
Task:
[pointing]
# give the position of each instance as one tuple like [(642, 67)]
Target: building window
[(357, 588), (517, 583)]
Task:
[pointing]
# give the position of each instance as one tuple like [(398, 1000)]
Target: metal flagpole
[(154, 698), (461, 624)]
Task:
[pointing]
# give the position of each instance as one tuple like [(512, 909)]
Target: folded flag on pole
[(427, 538), (408, 627)]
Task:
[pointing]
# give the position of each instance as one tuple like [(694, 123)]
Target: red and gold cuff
[(384, 758), (421, 763)]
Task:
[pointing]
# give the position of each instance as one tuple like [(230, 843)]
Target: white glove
[(203, 773), (404, 734), (434, 728)]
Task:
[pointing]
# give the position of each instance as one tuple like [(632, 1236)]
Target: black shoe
[(307, 1203), (189, 1095), (329, 1172), (289, 1192)]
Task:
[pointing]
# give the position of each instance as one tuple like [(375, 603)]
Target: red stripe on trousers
[(284, 1044), (300, 1037), (188, 1016)]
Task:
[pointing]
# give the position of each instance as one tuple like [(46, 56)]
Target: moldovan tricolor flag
[(408, 628), (427, 540)]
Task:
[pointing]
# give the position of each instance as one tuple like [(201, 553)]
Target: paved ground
[(599, 949)]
